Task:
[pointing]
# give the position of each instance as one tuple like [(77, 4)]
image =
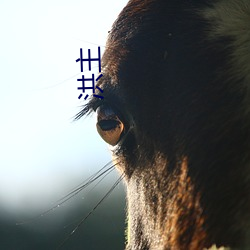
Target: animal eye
[(109, 126)]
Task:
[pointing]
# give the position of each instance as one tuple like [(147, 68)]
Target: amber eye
[(109, 126)]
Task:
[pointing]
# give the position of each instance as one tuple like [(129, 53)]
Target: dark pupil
[(108, 124)]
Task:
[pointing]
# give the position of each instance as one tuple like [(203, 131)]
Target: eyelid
[(96, 104), (108, 105)]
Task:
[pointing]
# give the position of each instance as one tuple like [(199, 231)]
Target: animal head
[(176, 82)]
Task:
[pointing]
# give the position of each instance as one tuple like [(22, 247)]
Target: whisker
[(103, 171), (93, 209), (90, 191), (79, 189), (108, 172), (87, 182)]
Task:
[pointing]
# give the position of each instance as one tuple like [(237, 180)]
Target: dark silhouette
[(176, 84)]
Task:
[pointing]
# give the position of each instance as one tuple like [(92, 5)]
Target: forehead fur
[(231, 18)]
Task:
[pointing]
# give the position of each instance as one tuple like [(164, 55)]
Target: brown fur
[(185, 151)]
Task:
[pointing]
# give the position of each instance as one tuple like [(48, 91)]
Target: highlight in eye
[(109, 126)]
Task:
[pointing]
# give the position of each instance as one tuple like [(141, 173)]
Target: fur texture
[(178, 74), (230, 18)]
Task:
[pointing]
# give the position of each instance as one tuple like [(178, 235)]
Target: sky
[(44, 152)]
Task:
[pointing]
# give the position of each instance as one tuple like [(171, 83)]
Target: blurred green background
[(104, 229)]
